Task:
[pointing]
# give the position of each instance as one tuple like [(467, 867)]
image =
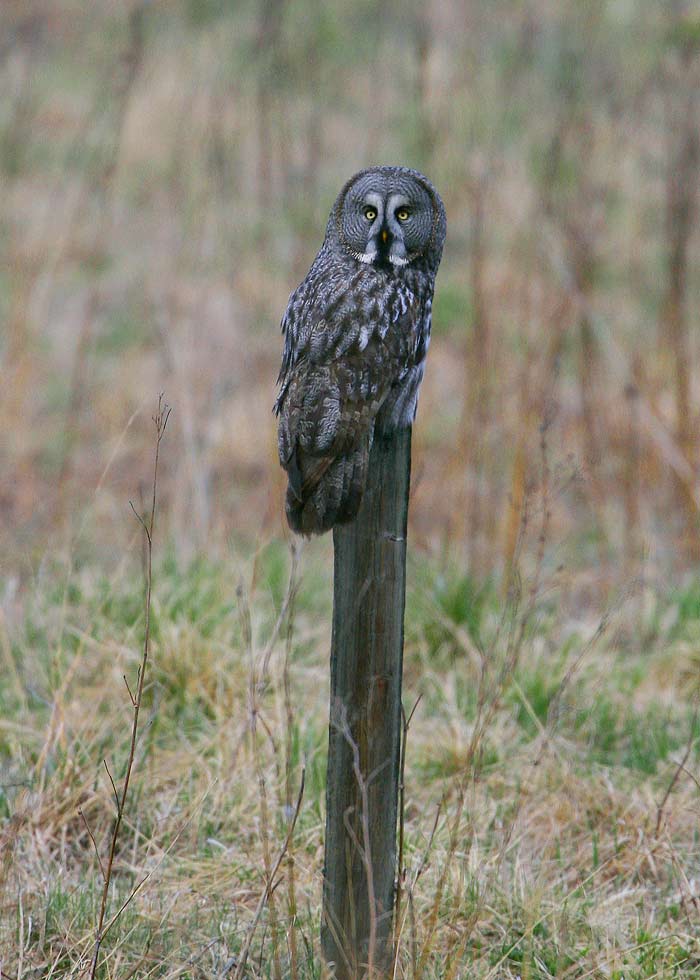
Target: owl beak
[(384, 236)]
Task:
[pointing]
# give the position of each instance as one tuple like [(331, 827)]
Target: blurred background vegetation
[(167, 169)]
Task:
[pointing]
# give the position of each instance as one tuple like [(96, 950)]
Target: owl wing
[(334, 380), (321, 322)]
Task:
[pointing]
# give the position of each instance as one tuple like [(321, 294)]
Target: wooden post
[(365, 719)]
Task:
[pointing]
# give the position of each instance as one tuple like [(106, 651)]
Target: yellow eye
[(402, 214), (370, 214)]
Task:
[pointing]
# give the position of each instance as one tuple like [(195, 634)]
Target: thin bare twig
[(405, 723), (141, 521), (94, 842), (410, 911), (269, 887), (149, 874), (255, 718), (131, 696), (160, 420), (680, 767), (285, 612), (289, 610), (111, 779), (691, 775)]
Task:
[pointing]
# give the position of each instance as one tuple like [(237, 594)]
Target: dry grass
[(533, 781), (166, 172)]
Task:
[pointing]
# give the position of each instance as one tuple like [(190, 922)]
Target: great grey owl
[(356, 332)]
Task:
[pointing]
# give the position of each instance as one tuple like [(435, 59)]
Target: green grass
[(553, 868)]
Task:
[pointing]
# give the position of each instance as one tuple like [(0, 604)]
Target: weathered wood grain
[(365, 718)]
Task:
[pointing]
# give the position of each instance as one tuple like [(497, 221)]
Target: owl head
[(390, 217)]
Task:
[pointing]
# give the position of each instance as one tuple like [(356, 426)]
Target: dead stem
[(680, 767), (240, 962), (288, 610), (160, 420), (400, 870)]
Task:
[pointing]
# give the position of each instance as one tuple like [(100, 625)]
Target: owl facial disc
[(388, 218), (373, 212), (385, 242)]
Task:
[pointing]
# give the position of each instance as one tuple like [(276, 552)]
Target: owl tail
[(330, 494)]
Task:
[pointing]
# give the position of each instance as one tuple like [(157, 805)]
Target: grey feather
[(356, 333)]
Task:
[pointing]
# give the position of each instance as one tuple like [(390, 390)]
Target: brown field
[(166, 170)]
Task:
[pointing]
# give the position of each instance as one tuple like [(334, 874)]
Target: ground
[(167, 170), (551, 805)]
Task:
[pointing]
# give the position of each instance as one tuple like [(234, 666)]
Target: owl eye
[(402, 214), (370, 214)]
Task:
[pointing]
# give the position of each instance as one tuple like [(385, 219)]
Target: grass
[(544, 860), (152, 238)]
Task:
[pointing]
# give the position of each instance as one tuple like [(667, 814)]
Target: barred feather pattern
[(355, 339)]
